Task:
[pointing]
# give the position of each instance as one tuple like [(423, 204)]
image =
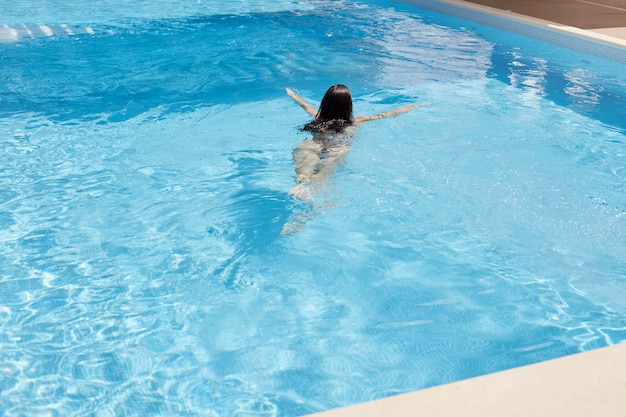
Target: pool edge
[(583, 40), (585, 384)]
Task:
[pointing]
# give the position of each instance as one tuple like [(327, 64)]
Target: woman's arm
[(306, 106), (388, 113)]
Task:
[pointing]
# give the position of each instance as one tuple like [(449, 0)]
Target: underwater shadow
[(250, 220)]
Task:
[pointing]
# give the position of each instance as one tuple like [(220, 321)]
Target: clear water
[(144, 169)]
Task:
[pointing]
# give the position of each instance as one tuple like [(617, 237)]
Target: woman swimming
[(337, 105), (333, 127), (332, 130)]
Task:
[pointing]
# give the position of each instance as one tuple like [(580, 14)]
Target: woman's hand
[(306, 106)]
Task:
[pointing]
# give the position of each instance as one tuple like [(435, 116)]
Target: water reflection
[(583, 87), (579, 89), (531, 77)]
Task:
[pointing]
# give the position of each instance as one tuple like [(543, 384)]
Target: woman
[(315, 159), (337, 106)]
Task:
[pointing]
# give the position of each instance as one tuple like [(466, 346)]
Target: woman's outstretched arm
[(388, 113), (306, 106)]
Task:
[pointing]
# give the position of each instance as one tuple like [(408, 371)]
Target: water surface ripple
[(145, 163)]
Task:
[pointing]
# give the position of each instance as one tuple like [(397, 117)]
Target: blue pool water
[(145, 162)]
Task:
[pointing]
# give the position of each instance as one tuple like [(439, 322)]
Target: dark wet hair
[(335, 112)]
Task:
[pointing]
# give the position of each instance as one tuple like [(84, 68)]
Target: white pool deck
[(589, 384)]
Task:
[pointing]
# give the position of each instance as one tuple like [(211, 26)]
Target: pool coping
[(588, 41), (586, 384)]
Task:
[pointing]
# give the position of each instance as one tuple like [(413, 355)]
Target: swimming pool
[(144, 169)]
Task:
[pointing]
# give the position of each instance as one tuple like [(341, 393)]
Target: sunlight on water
[(144, 178), (79, 13)]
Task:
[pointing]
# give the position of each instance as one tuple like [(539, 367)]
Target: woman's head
[(336, 104), (335, 112)]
